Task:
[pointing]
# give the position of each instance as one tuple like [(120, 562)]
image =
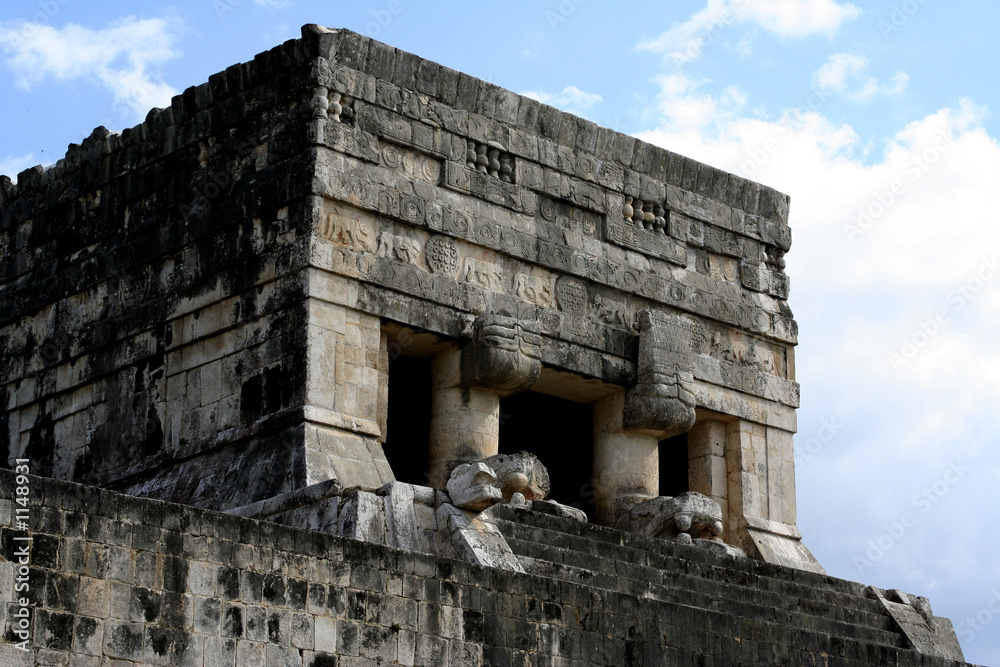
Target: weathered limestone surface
[(924, 631), (465, 421), (626, 463), (123, 580)]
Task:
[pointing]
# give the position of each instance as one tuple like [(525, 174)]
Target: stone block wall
[(114, 579), (153, 322)]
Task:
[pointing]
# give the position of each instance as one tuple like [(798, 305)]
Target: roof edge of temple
[(430, 79)]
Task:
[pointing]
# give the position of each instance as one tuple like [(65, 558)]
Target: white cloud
[(797, 18), (786, 18), (122, 57), (847, 74), (272, 4), (14, 165), (570, 99), (895, 284)]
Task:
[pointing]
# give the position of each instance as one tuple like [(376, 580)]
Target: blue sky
[(878, 118)]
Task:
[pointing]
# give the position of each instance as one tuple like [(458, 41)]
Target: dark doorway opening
[(408, 421), (674, 465), (560, 433)]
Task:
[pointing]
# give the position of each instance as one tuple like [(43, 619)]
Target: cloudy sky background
[(879, 118)]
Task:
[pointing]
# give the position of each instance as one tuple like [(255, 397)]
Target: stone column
[(465, 421), (746, 458), (626, 463), (501, 359)]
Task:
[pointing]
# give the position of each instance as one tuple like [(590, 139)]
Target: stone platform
[(115, 579)]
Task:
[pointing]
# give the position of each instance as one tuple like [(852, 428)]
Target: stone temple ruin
[(348, 358)]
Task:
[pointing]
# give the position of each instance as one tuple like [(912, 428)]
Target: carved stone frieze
[(400, 247), (614, 312), (625, 233), (536, 290), (500, 232), (409, 162), (568, 217), (485, 275)]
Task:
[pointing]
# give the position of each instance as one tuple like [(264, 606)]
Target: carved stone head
[(520, 473), (473, 486), (687, 517), (503, 355)]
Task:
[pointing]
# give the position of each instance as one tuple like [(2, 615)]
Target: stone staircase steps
[(645, 556), (652, 568)]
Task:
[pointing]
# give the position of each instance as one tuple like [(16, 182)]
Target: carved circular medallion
[(571, 295), (442, 255), (413, 210), (435, 217), (585, 165), (392, 157), (548, 209)]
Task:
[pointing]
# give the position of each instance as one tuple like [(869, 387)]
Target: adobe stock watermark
[(929, 328), (922, 503), (562, 12), (28, 30), (970, 626), (381, 18), (827, 431), (900, 16), (20, 610), (913, 170)]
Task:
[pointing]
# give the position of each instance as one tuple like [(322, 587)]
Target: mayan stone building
[(348, 358)]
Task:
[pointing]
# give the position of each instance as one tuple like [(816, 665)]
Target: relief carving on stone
[(442, 255), (409, 162), (615, 313), (569, 217), (735, 347), (482, 274), (571, 295), (534, 290), (504, 354), (401, 248), (348, 232)]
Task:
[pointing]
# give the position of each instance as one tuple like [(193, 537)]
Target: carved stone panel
[(627, 234), (571, 295), (442, 255), (409, 162), (534, 290)]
